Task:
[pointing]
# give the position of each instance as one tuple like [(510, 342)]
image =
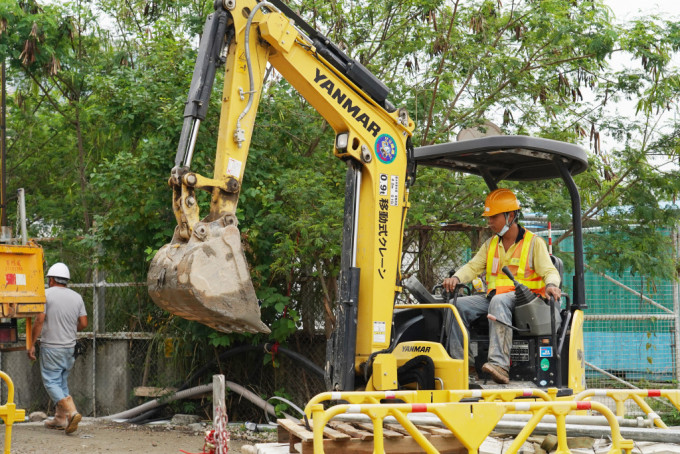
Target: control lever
[(522, 293), (519, 330), (522, 296)]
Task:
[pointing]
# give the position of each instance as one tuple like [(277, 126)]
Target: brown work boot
[(60, 421), (72, 414), (498, 374)]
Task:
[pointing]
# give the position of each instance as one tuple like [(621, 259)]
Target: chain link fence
[(631, 325), (631, 336)]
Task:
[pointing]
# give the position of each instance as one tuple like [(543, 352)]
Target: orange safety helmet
[(500, 201)]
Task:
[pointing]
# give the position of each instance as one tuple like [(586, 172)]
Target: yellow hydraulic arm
[(201, 274)]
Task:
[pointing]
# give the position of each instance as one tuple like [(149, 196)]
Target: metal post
[(95, 330), (220, 415), (22, 214), (3, 149), (676, 307)]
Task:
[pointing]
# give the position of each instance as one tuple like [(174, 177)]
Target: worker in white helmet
[(64, 315)]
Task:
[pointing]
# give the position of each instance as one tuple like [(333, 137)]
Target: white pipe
[(514, 427), (195, 391), (22, 214), (574, 420), (633, 433)]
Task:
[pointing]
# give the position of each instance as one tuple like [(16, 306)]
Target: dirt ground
[(96, 436)]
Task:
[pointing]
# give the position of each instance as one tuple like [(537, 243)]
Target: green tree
[(98, 90)]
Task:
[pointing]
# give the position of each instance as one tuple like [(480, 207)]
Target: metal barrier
[(470, 422), (620, 396), (9, 413), (420, 397)]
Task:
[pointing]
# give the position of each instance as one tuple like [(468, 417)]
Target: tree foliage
[(97, 91)]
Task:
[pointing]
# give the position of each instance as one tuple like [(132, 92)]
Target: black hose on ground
[(265, 348)]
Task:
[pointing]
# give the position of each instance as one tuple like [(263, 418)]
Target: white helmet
[(59, 271)]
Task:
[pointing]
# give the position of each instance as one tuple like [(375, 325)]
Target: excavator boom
[(202, 274)]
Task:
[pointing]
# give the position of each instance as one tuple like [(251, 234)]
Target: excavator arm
[(202, 274)]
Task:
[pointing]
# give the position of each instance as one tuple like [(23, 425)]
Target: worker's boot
[(60, 421), (72, 415), (498, 374)]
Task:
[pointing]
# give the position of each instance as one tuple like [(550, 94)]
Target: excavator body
[(202, 274)]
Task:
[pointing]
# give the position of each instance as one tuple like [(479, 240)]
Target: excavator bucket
[(207, 280)]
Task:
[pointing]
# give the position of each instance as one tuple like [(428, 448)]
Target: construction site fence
[(632, 324), (631, 337)]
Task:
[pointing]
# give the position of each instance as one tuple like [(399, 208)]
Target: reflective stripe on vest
[(521, 266)]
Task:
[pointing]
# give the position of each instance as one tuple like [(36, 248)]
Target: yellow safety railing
[(414, 397), (9, 413), (471, 423), (620, 396)]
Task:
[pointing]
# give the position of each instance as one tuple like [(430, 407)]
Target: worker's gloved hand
[(450, 283), (31, 353), (554, 291)]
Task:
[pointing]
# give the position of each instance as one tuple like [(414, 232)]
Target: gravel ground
[(96, 436)]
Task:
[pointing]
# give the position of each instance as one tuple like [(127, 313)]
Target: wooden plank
[(335, 434), (434, 430), (351, 430), (387, 433), (397, 428), (296, 430), (282, 435), (152, 391), (404, 445)]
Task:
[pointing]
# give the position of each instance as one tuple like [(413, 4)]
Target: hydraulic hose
[(148, 410), (145, 408), (198, 390)]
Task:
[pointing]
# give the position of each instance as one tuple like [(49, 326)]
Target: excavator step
[(340, 437)]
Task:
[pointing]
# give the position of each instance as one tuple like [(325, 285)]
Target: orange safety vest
[(521, 266)]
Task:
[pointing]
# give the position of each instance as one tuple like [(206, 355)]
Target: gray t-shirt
[(62, 310)]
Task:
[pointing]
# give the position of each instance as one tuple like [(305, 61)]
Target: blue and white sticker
[(546, 352), (386, 148)]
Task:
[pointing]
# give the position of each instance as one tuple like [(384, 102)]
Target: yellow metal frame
[(9, 413), (577, 357), (424, 397), (471, 423)]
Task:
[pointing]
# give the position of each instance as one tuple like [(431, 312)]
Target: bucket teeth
[(207, 280)]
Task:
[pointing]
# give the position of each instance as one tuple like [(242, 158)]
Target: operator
[(64, 315), (526, 255)]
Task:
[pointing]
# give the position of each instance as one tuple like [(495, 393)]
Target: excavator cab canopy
[(518, 158), (515, 158)]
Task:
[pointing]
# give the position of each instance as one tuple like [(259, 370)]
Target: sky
[(628, 9)]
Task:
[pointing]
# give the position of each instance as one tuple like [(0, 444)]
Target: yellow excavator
[(202, 273)]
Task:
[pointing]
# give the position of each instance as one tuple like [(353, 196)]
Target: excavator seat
[(533, 358)]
